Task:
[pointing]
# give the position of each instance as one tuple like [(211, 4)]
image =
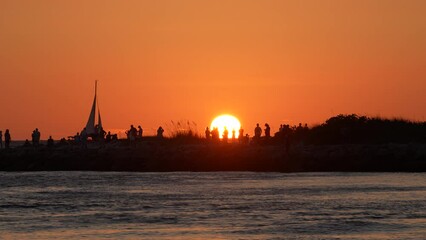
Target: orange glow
[(226, 121), (272, 61)]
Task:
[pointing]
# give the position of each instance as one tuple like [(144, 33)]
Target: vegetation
[(184, 131), (354, 129)]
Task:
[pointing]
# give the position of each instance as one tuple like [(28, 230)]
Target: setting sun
[(228, 121)]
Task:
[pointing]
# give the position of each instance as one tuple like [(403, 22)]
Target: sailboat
[(91, 129)]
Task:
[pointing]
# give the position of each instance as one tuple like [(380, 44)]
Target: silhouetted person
[(225, 135), (1, 139), (50, 142), (267, 131), (35, 137), (140, 132), (108, 137), (257, 132), (38, 135), (7, 139), (241, 135), (215, 134), (160, 132), (233, 134), (131, 135), (207, 132)]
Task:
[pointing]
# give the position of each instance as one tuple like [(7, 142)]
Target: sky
[(160, 61)]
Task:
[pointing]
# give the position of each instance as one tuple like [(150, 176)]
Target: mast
[(97, 103)]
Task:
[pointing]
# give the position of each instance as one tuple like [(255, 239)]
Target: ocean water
[(232, 205)]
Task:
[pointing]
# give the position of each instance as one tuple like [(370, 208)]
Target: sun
[(228, 121)]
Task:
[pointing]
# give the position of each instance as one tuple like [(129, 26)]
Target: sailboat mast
[(97, 105)]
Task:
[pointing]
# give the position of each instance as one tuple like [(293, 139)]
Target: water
[(92, 205)]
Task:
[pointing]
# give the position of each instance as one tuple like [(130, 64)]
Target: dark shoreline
[(202, 157)]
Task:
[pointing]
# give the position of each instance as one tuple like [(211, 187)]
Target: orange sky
[(156, 61)]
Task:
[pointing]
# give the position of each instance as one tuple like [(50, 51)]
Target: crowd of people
[(136, 134), (284, 130), (98, 135)]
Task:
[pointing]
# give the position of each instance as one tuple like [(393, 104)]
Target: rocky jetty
[(163, 156)]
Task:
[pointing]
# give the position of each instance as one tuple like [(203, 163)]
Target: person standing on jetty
[(257, 132), (7, 139), (38, 135), (267, 131), (215, 134), (241, 135), (160, 132), (132, 135), (225, 135), (35, 137), (108, 137), (207, 132), (140, 132), (1, 139)]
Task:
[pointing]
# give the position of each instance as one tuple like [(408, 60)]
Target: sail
[(90, 126)]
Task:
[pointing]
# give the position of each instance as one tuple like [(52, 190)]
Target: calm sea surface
[(236, 205)]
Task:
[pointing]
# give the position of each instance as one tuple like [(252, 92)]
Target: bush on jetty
[(354, 129)]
